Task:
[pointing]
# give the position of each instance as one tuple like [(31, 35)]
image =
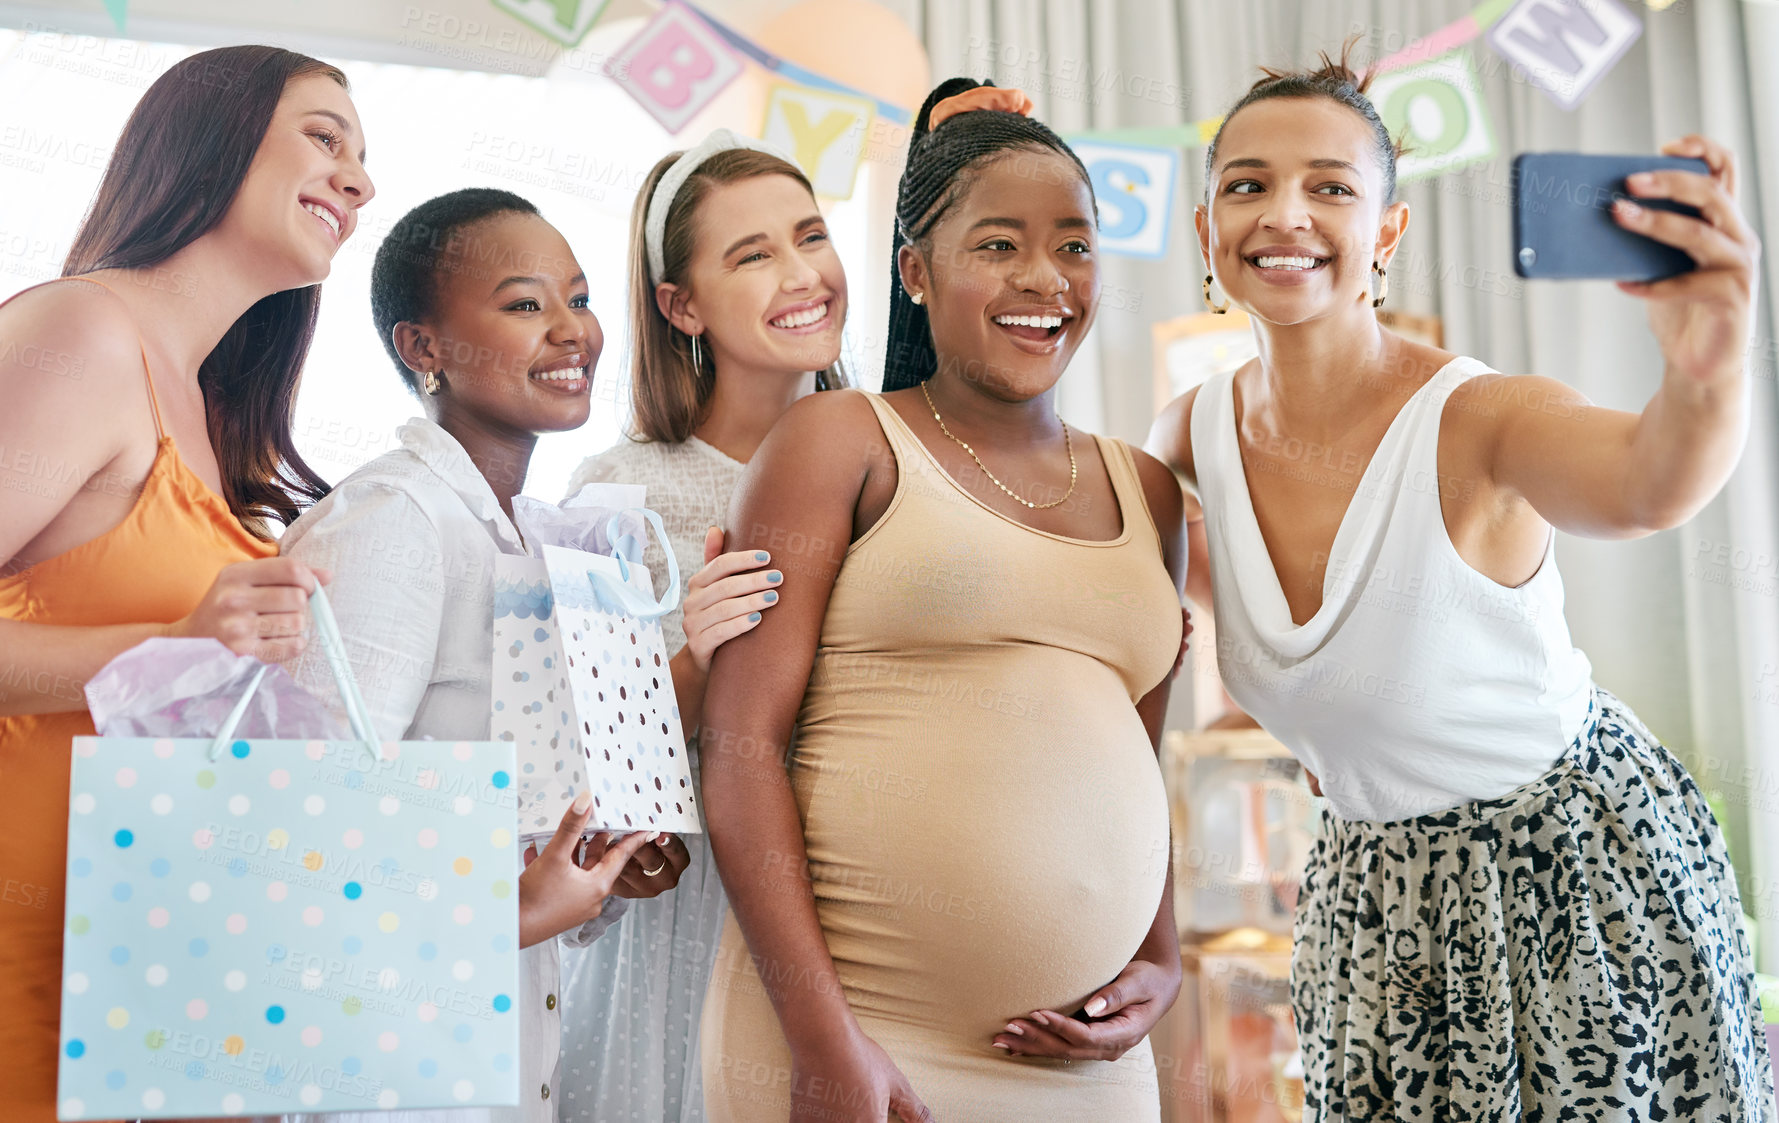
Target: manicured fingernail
[(1629, 209), (1015, 1030), (1038, 1016), (661, 839), (1094, 1007), (1002, 1045), (582, 802), (1638, 181), (775, 577), (753, 617), (771, 597), (761, 555)]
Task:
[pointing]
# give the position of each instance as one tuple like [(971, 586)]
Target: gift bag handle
[(327, 630), (626, 595)]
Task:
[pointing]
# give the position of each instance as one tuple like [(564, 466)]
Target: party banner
[(798, 75), (1437, 109), (1448, 38), (1572, 43), (1565, 46), (566, 21), (675, 66), (1135, 191), (824, 132)]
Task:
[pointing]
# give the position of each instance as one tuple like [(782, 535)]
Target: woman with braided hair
[(951, 897)]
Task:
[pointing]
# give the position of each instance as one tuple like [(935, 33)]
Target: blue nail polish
[(771, 597), (760, 555), (775, 577), (753, 617)]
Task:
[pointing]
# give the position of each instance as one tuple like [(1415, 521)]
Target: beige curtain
[(1684, 625)]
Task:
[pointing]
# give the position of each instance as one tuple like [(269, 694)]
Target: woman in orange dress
[(147, 446)]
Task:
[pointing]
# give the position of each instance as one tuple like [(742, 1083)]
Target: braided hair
[(405, 274), (942, 165)]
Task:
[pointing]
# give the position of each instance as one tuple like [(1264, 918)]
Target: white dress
[(411, 539), (632, 1000)]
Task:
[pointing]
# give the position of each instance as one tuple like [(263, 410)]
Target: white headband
[(654, 231)]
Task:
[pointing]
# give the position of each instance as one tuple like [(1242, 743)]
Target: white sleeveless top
[(1420, 684)]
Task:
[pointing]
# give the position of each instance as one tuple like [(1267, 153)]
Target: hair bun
[(944, 91), (1007, 100)]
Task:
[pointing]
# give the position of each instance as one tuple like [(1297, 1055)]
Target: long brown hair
[(182, 157), (668, 393)]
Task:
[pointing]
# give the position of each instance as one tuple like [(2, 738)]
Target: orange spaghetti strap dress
[(153, 567)]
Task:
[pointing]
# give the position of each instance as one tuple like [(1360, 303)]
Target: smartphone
[(1563, 227)]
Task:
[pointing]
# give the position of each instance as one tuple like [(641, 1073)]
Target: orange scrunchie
[(1006, 99)]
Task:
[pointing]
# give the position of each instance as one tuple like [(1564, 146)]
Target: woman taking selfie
[(177, 342), (1518, 905)]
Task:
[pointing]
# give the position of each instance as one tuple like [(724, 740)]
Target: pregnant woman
[(956, 897), (1519, 906)]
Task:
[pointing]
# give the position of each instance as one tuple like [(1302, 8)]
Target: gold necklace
[(1066, 443)]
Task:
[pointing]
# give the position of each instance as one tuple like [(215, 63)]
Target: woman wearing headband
[(957, 900), (737, 299)]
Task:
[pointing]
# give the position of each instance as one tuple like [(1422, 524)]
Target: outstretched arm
[(1610, 474)]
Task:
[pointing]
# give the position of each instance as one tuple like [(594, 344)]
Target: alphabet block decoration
[(1437, 108), (1565, 46), (675, 66), (1135, 190), (824, 132), (566, 21)]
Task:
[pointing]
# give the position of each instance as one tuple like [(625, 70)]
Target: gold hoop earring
[(431, 383), (697, 355), (1383, 289), (1219, 309)]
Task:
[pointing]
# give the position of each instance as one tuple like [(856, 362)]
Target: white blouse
[(410, 539)]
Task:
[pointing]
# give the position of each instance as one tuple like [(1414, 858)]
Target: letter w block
[(1564, 46)]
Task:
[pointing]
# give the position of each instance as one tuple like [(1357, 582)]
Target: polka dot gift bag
[(262, 926), (581, 682)]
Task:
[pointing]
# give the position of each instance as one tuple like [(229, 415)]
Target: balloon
[(862, 44)]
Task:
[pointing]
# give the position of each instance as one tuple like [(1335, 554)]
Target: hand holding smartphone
[(1672, 236), (1563, 224)]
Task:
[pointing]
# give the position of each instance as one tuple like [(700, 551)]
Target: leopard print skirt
[(1570, 951)]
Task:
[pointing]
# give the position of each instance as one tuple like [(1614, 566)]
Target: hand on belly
[(1122, 1015), (968, 947)]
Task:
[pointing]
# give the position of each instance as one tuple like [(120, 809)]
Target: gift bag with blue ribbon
[(262, 926), (581, 685)]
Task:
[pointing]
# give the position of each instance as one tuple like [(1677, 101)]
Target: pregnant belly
[(970, 866)]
